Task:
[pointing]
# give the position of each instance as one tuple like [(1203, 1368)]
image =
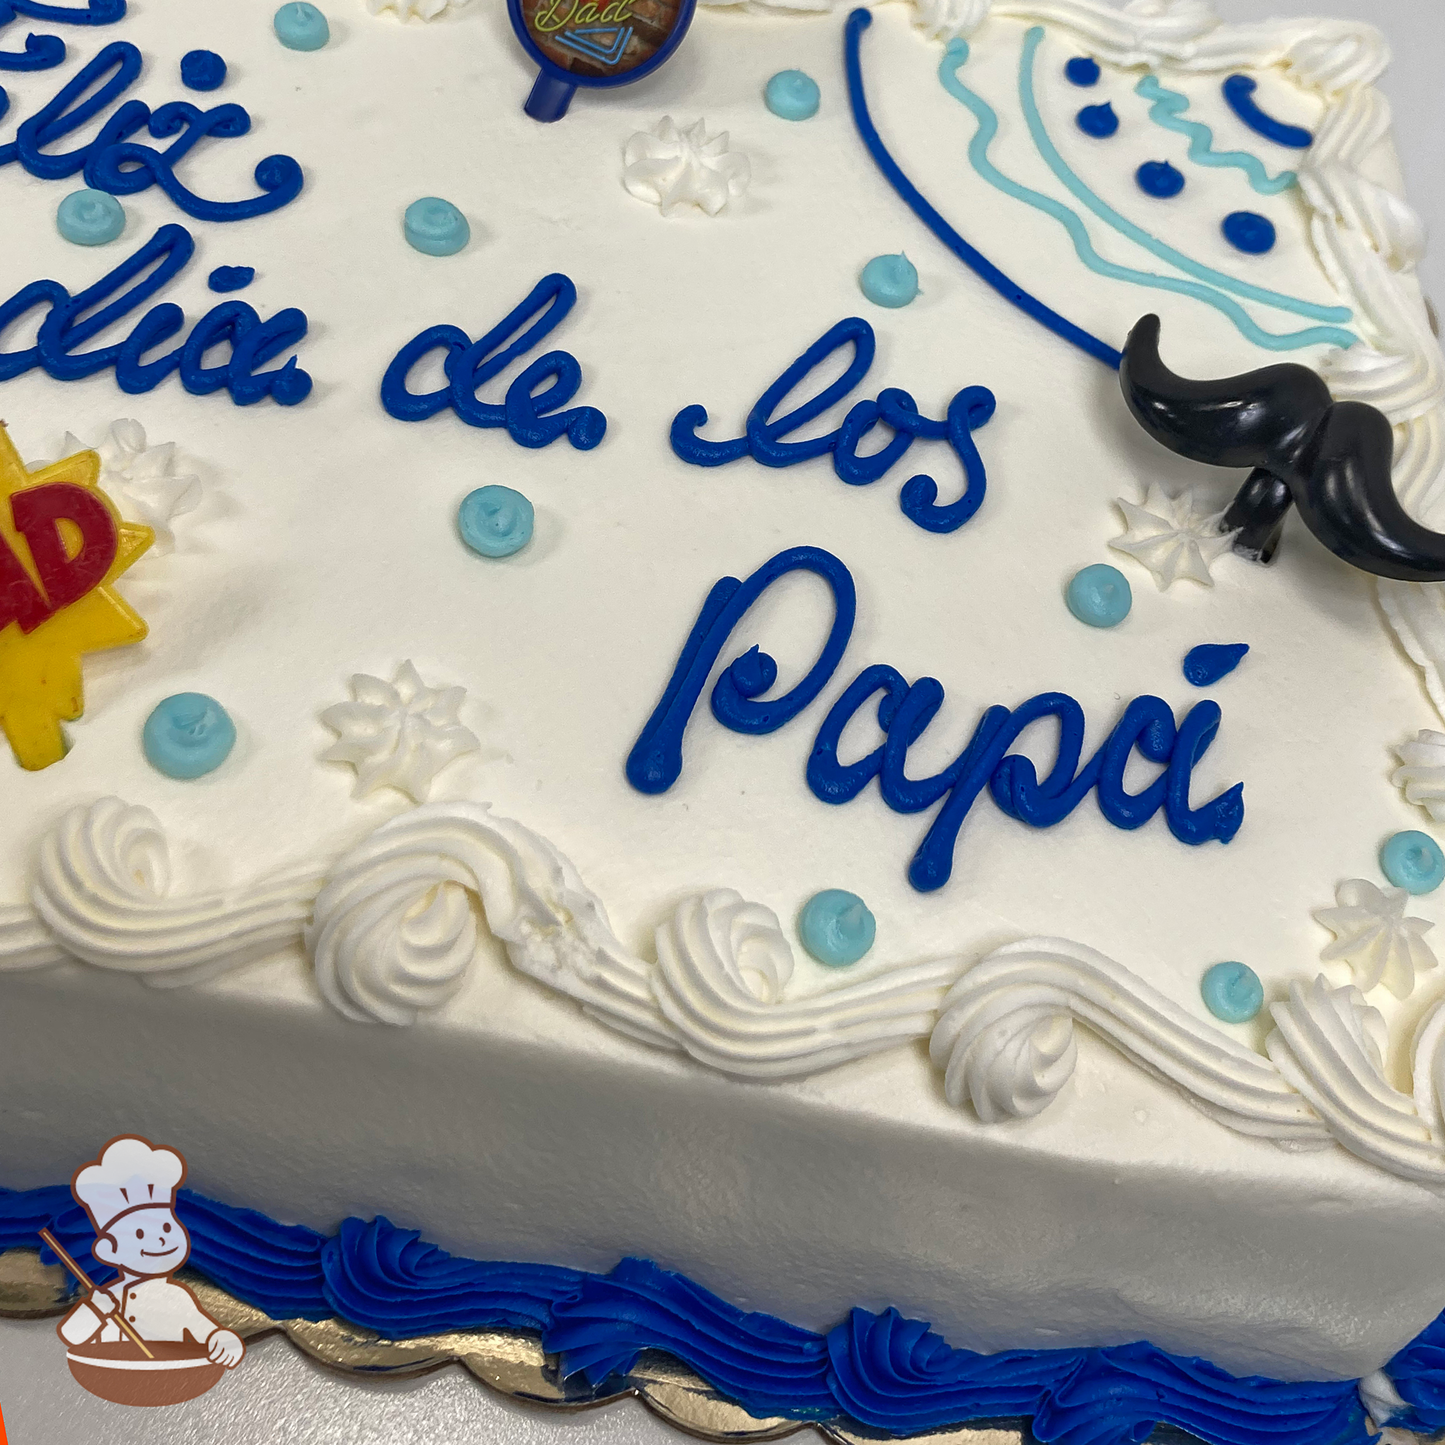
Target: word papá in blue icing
[(970, 409), (113, 162), (71, 321), (44, 51), (531, 419), (904, 712)]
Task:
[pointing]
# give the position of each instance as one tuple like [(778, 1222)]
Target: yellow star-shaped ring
[(40, 676)]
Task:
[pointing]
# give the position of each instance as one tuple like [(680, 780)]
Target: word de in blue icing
[(905, 710), (837, 928), (42, 52), (970, 409), (1239, 96), (71, 321), (532, 419), (112, 162), (188, 736), (1210, 661), (1232, 992)]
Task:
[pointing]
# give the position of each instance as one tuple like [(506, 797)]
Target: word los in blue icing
[(904, 712), (41, 52), (71, 321), (113, 162), (1239, 96), (531, 419), (970, 409), (884, 1371)]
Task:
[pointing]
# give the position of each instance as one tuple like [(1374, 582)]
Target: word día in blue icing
[(883, 1371), (1210, 661), (531, 420), (1216, 281), (1413, 861), (955, 55), (905, 711), (435, 227), (113, 162), (495, 521), (1160, 179), (792, 95), (837, 927), (71, 321), (1239, 96), (858, 21), (41, 52), (1100, 595), (969, 409), (1098, 121), (1167, 108), (1232, 992), (1249, 232), (889, 280), (90, 218), (301, 26), (188, 736), (1083, 71), (231, 278), (202, 70)]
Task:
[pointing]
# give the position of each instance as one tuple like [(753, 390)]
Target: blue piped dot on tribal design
[(495, 521), (1082, 70), (1413, 861), (1232, 992), (792, 95), (1249, 232), (1098, 121), (889, 281), (1100, 595), (435, 227), (90, 218), (202, 70), (231, 278), (1159, 178), (836, 927), (300, 26), (188, 735)]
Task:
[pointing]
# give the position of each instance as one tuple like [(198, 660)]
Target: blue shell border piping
[(880, 1370)]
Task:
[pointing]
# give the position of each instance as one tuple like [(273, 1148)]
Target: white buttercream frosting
[(141, 480), (398, 734), (1374, 936), (422, 9), (1421, 774), (678, 167), (1172, 537)]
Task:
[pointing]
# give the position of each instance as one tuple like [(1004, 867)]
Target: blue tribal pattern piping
[(954, 57), (881, 1370), (1313, 336), (1167, 108)]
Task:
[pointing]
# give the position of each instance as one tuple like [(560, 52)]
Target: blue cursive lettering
[(970, 409), (532, 419), (44, 51), (71, 321), (904, 711)]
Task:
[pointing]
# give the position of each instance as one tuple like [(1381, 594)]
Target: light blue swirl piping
[(1330, 336), (954, 56), (1167, 108)]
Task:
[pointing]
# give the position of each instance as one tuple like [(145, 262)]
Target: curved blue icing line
[(41, 52), (884, 1371), (954, 57), (1323, 335), (1239, 96), (858, 21), (1167, 108)]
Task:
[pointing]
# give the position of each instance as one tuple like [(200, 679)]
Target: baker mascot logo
[(142, 1339)]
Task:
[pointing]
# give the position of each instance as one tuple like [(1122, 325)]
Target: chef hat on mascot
[(129, 1174)]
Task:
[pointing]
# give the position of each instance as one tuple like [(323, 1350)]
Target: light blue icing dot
[(90, 218), (495, 521), (1100, 595), (300, 26), (1413, 861), (836, 927), (890, 280), (1098, 121), (188, 735), (1249, 232), (435, 227), (792, 95), (1232, 992)]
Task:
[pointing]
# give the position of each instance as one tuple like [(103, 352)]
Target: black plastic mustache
[(1331, 459)]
